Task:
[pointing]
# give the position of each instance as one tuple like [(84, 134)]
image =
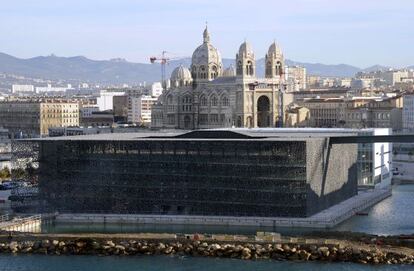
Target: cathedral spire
[(206, 35)]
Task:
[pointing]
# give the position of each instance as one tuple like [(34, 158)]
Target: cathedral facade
[(209, 96)]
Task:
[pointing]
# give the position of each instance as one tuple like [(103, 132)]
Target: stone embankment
[(250, 250)]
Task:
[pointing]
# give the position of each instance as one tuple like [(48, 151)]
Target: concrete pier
[(409, 179), (22, 224), (326, 219)]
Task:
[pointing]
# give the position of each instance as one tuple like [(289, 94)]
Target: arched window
[(225, 101), (194, 72), (249, 68), (239, 68), (187, 103), (214, 72), (239, 121), (186, 100), (214, 100), (169, 99), (203, 101), (278, 68), (269, 68), (202, 74)]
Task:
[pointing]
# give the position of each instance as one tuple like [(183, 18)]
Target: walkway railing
[(4, 218)]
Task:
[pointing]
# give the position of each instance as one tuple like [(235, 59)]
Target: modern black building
[(209, 173)]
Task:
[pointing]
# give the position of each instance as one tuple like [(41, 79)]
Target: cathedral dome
[(206, 54), (206, 60), (274, 49), (230, 71), (246, 49), (181, 76), (180, 73)]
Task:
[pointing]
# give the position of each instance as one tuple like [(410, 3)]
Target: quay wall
[(326, 219)]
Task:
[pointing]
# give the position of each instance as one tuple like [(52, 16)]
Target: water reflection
[(392, 216)]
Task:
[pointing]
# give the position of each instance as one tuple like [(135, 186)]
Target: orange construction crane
[(163, 60)]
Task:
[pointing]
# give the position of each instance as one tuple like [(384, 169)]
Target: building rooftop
[(279, 134)]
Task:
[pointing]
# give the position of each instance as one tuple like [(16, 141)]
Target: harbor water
[(162, 263)]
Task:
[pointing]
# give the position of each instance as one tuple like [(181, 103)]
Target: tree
[(18, 173), (30, 172), (5, 173)]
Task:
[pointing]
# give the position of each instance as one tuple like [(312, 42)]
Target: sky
[(356, 32)]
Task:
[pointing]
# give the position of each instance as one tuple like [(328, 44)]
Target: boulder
[(110, 243), (13, 246), (45, 244), (324, 251)]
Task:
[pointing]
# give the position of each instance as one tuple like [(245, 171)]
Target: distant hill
[(79, 68), (376, 68)]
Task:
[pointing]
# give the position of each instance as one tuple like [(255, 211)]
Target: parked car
[(7, 186), (12, 185)]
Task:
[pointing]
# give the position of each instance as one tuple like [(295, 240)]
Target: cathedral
[(209, 96)]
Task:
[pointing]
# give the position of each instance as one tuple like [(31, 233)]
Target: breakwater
[(104, 245)]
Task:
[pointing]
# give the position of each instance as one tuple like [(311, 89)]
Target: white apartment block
[(156, 89), (49, 88), (395, 76), (362, 83), (139, 109), (327, 82), (105, 100), (343, 82), (22, 88), (296, 78), (408, 112), (5, 149)]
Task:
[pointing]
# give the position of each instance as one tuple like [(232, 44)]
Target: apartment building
[(32, 118)]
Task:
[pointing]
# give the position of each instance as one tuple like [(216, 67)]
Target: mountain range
[(116, 71)]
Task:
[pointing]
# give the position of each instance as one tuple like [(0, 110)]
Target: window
[(249, 68), (169, 99), (214, 72), (187, 104), (278, 68), (269, 69), (202, 74), (225, 101), (213, 100), (203, 101), (239, 68), (214, 118), (171, 119), (186, 100), (203, 119)]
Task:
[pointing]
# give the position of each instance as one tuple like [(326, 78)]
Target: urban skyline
[(310, 31)]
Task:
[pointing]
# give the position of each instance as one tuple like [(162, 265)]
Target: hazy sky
[(356, 32)]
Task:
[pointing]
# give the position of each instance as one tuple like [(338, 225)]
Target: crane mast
[(163, 60)]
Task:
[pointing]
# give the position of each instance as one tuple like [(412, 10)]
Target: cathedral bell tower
[(245, 63), (275, 62)]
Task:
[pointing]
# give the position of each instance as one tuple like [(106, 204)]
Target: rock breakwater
[(276, 251)]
